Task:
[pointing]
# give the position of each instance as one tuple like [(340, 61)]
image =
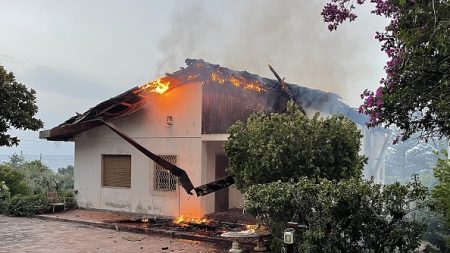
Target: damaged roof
[(200, 71)]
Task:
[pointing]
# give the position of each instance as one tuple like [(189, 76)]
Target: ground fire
[(186, 221)]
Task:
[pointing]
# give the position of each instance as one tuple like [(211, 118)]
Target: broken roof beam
[(285, 88), (172, 168)]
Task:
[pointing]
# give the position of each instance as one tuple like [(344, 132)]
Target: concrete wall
[(148, 127)]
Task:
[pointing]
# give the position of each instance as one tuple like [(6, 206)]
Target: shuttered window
[(116, 171), (163, 180)]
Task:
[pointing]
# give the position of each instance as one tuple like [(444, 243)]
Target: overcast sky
[(76, 54)]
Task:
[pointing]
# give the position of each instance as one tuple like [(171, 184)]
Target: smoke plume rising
[(288, 34)]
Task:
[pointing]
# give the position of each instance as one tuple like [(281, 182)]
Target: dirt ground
[(35, 235), (232, 215)]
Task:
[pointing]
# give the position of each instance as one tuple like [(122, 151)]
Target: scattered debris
[(133, 238)]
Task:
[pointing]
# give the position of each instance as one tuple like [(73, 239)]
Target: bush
[(14, 180), (69, 197), (27, 205), (286, 146), (4, 196), (349, 216), (441, 191)]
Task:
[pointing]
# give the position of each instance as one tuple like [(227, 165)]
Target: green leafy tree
[(16, 161), (36, 176), (4, 190), (308, 170), (41, 178), (65, 175), (441, 191), (415, 93), (14, 180), (5, 194), (270, 147), (17, 108), (349, 216)]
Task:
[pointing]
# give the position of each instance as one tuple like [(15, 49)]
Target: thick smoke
[(289, 34)]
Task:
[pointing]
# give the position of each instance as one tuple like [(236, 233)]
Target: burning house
[(183, 118)]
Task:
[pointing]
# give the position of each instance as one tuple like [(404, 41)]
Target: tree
[(415, 93), (270, 147), (14, 180), (440, 197), (294, 168), (38, 177), (65, 175), (441, 191), (17, 108)]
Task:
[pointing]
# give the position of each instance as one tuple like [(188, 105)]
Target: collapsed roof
[(202, 72)]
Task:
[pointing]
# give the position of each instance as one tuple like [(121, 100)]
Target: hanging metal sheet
[(172, 168)]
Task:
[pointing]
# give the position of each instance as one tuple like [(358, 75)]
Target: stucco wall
[(148, 127)]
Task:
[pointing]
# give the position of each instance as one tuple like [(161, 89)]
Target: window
[(163, 180), (116, 171)]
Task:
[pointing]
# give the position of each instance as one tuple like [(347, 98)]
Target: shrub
[(4, 196), (14, 180), (69, 197), (27, 205), (285, 146), (349, 216), (441, 191)]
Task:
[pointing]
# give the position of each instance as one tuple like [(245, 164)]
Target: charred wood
[(285, 88), (214, 186)]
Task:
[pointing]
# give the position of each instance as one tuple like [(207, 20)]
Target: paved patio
[(36, 235)]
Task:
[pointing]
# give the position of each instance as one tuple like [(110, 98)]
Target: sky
[(76, 54)]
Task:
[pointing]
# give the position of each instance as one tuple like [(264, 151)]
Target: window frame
[(102, 185), (154, 168)]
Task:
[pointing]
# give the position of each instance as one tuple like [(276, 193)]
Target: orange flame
[(157, 86), (253, 86), (184, 221), (237, 81), (256, 228), (251, 228), (215, 76), (234, 81)]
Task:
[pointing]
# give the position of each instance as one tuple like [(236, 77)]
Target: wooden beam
[(285, 88)]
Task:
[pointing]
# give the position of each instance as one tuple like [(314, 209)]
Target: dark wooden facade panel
[(224, 104)]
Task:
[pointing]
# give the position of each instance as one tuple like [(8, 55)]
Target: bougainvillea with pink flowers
[(414, 95)]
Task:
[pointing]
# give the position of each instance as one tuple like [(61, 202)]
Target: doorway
[(221, 198)]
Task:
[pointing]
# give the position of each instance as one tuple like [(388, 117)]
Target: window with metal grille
[(163, 180), (116, 171)]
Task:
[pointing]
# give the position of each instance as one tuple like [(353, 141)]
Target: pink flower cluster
[(382, 7), (336, 12), (373, 103)]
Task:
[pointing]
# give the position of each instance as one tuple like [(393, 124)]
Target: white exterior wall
[(148, 127)]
